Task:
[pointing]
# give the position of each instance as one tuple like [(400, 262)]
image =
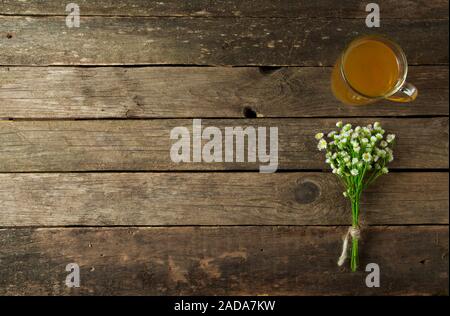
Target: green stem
[(354, 259), (354, 262)]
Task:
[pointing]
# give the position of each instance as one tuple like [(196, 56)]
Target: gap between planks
[(225, 17), (279, 171), (208, 226)]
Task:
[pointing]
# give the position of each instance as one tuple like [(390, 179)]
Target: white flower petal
[(354, 172), (390, 138), (319, 136)]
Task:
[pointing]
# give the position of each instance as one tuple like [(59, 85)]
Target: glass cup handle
[(406, 93)]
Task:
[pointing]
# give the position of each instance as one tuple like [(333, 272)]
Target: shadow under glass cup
[(372, 68)]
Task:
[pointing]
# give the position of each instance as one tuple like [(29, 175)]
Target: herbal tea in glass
[(372, 68)]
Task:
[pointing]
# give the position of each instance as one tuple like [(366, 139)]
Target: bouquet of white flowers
[(358, 156)]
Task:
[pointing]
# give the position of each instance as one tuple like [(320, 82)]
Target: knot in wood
[(307, 192)]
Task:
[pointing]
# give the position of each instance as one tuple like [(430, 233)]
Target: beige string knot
[(355, 233)]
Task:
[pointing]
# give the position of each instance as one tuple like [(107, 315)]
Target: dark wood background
[(86, 176)]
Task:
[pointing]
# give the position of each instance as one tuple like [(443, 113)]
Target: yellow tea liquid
[(371, 68)]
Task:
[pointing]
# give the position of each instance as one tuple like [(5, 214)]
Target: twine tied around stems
[(355, 233)]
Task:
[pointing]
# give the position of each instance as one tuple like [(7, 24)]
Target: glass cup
[(372, 68)]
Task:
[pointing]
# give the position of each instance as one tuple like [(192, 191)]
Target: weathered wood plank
[(221, 261), (99, 199), (145, 144), (217, 41), (115, 92), (254, 8)]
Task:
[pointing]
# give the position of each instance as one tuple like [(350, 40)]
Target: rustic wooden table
[(86, 175)]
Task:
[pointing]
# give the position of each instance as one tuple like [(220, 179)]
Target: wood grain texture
[(158, 92), (208, 41), (254, 8), (221, 261), (210, 233), (145, 144), (102, 199)]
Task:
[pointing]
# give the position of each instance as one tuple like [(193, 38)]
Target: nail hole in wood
[(9, 35), (249, 112), (307, 192), (267, 70)]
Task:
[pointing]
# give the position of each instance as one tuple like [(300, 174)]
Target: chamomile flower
[(319, 136), (373, 139), (390, 138), (367, 157), (339, 124), (354, 172), (385, 170), (390, 157), (377, 125), (355, 161), (383, 144), (322, 144)]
